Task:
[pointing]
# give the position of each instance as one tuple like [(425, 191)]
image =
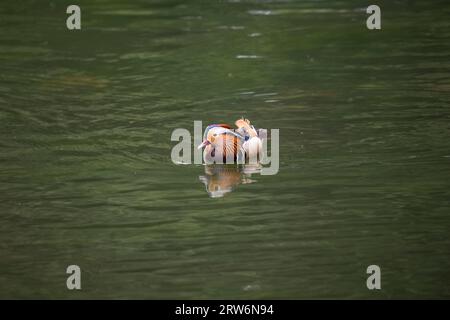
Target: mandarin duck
[(225, 145)]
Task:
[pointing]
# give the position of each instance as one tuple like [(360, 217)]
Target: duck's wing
[(244, 125)]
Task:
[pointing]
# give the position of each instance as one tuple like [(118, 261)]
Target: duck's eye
[(215, 134)]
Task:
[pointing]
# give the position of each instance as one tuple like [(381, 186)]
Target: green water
[(86, 176)]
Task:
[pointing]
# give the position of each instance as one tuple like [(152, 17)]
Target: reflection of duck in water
[(221, 179), (224, 145)]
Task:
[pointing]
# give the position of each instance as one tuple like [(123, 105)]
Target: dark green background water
[(86, 176)]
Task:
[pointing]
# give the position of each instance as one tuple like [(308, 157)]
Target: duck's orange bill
[(203, 144)]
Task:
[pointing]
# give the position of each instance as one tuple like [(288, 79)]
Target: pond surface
[(86, 176)]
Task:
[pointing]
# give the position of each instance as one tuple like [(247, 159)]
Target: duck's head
[(214, 132)]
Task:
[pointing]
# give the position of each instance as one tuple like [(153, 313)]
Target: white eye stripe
[(218, 131), (230, 132)]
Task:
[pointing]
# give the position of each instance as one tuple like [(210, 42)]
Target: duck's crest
[(222, 125)]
